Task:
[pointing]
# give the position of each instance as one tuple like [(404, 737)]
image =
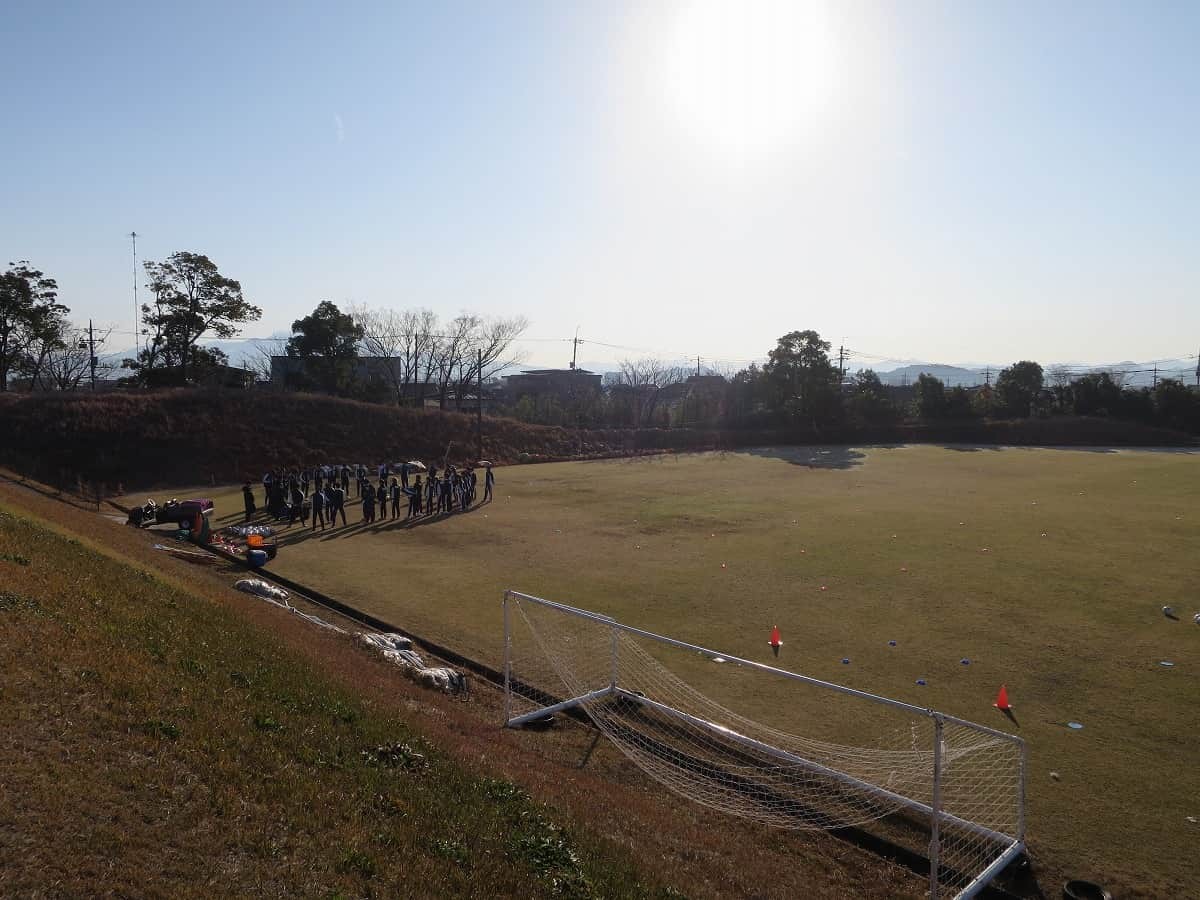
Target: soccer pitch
[(1047, 569)]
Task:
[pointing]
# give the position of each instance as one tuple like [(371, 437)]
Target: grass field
[(1046, 568)]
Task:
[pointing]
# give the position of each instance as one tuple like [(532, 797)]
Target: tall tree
[(1018, 387), (45, 336), (328, 340), (747, 392), (868, 401), (1177, 405), (31, 319), (191, 300), (803, 380), (1095, 394), (930, 397)]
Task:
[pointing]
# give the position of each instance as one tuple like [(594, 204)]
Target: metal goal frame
[(1009, 846)]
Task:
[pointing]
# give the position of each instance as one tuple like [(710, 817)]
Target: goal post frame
[(1013, 844)]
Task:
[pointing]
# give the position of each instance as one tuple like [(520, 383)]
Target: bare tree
[(259, 359), (67, 365), (478, 348), (645, 379), (453, 351), (422, 355), (381, 339), (405, 339), (494, 346)]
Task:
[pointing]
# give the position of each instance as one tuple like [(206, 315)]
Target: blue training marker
[(921, 681), (891, 643)]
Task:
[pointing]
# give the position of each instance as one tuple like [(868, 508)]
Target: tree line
[(412, 356), (800, 385)]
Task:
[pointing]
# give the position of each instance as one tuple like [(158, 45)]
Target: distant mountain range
[(1132, 374), (951, 376)]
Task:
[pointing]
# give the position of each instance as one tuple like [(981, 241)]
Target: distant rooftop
[(555, 372)]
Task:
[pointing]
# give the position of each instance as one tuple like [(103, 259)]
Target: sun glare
[(749, 79)]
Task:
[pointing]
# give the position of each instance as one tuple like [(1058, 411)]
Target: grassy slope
[(1070, 621), (566, 768), (154, 744)]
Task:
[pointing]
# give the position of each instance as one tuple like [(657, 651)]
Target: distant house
[(561, 384)]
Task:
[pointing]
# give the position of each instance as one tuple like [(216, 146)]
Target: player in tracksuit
[(318, 505), (368, 502), (336, 500), (489, 480), (414, 498)]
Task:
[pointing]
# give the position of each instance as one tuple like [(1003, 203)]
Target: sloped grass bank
[(155, 744)]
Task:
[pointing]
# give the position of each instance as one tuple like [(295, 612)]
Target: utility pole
[(574, 348), (697, 367), (987, 377), (1198, 370), (841, 365), (1155, 385), (92, 353), (479, 409), (137, 321)]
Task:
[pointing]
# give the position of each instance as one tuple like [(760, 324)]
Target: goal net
[(945, 787)]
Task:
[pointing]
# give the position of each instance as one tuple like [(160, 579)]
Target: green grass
[(155, 744), (1069, 620)]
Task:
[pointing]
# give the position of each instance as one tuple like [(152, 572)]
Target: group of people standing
[(324, 492)]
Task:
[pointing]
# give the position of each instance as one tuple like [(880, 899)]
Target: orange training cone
[(776, 642), (1002, 703)]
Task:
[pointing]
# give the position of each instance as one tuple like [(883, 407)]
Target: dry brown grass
[(138, 762)]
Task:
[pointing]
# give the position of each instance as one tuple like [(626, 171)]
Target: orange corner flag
[(776, 642), (1002, 703)]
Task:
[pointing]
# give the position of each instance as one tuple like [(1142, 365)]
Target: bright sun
[(749, 78)]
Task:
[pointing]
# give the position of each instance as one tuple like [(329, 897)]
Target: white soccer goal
[(945, 787)]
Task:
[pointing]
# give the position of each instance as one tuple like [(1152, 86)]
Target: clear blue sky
[(948, 181)]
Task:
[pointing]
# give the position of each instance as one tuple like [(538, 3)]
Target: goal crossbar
[(784, 756), (1008, 841)]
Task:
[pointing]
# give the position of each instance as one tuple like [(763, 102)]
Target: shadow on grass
[(298, 532), (813, 457), (1011, 716), (587, 754)]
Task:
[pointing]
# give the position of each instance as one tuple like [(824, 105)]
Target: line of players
[(287, 495)]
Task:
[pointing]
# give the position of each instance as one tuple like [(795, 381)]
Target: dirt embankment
[(143, 440)]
